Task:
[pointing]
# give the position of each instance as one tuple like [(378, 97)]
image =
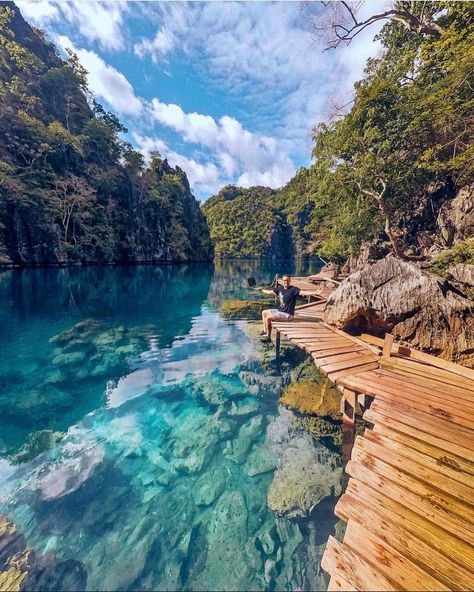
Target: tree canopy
[(72, 190)]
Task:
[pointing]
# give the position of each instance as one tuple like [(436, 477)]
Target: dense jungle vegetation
[(72, 191), (384, 168)]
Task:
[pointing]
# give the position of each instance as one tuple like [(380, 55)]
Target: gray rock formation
[(415, 305), (456, 217)]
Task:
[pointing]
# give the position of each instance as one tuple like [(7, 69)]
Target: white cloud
[(158, 47), (105, 81), (40, 12), (265, 54), (203, 177), (100, 22), (255, 157)]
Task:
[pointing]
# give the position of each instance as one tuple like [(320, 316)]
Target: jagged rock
[(462, 274), (415, 305), (209, 487), (456, 217), (312, 397), (306, 473)]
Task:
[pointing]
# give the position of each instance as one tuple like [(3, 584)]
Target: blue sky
[(229, 91)]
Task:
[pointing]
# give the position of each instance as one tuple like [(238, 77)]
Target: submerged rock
[(244, 309), (306, 473), (321, 399), (209, 487), (36, 443), (415, 305)]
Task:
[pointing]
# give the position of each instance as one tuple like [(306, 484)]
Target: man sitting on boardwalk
[(287, 295)]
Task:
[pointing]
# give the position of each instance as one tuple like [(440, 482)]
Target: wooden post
[(387, 344), (348, 410), (277, 343), (364, 401)]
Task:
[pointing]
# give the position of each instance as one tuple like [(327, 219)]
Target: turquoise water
[(142, 445)]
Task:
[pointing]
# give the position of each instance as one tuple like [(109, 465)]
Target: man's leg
[(265, 314)]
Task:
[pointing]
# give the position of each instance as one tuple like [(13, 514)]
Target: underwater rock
[(306, 473), (244, 309), (208, 488), (237, 449), (216, 388), (227, 540), (320, 427), (35, 443), (71, 359), (244, 406), (192, 442), (261, 459), (321, 399)]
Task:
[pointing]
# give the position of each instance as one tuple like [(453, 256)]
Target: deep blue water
[(141, 435)]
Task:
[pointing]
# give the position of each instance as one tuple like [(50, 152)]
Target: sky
[(228, 91)]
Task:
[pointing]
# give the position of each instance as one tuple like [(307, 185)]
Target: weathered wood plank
[(339, 559), (339, 584), (410, 464), (385, 524), (417, 455), (360, 360), (388, 420), (335, 376), (426, 423), (441, 457), (410, 353), (403, 388), (415, 523), (433, 506), (430, 372), (405, 574)]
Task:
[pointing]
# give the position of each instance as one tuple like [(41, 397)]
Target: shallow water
[(140, 433)]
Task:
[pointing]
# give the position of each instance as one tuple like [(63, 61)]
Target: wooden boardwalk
[(409, 502)]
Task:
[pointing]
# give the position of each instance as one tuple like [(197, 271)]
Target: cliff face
[(72, 191)]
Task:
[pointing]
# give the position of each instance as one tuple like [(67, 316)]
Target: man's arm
[(268, 291)]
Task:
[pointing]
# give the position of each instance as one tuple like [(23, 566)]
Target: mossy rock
[(244, 309), (316, 398)]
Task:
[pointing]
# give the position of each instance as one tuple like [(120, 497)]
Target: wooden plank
[(339, 584), (426, 423), (425, 384), (405, 574), (413, 354), (383, 389), (442, 457), (387, 344), (339, 559), (430, 372), (360, 360), (449, 472), (385, 525), (413, 465), (335, 376), (390, 421), (336, 351), (445, 412), (313, 347), (431, 504), (332, 358), (417, 524), (352, 338)]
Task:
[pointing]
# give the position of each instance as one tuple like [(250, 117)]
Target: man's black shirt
[(287, 298)]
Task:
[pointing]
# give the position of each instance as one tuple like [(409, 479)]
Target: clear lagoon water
[(141, 437)]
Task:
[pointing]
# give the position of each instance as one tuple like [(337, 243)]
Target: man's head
[(286, 279)]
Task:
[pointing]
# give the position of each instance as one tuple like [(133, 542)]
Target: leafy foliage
[(72, 191), (462, 252), (244, 223)]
